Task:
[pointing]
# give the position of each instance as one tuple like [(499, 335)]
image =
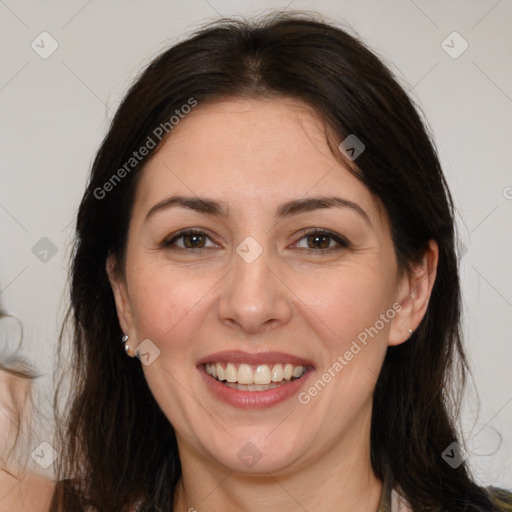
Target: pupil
[(194, 240), (319, 241)]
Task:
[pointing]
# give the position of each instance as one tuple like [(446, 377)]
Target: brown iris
[(318, 241), (192, 240)]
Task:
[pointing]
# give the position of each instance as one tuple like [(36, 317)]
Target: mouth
[(254, 381), (261, 377)]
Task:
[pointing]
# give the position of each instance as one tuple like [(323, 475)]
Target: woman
[(21, 488), (264, 292)]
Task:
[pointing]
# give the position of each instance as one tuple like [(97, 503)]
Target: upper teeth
[(258, 374)]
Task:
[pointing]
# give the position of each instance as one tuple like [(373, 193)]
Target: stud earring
[(127, 348)]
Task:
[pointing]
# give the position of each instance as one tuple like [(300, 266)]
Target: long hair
[(118, 448)]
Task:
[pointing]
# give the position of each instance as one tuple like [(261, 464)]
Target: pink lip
[(254, 399), (237, 356)]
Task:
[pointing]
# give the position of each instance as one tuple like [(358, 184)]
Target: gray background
[(55, 111)]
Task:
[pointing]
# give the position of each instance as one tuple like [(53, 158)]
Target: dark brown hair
[(118, 448)]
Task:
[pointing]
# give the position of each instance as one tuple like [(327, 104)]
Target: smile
[(261, 377), (254, 380)]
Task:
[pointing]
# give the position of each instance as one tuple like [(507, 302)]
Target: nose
[(254, 297)]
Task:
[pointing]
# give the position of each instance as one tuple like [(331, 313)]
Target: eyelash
[(342, 242)]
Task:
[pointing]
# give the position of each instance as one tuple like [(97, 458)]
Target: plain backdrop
[(453, 57)]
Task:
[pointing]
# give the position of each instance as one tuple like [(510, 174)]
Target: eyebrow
[(294, 207)]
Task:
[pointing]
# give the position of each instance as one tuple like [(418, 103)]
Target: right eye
[(188, 240)]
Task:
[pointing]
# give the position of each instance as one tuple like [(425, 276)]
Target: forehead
[(249, 152)]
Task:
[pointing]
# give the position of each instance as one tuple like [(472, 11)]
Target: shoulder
[(29, 492), (501, 498)]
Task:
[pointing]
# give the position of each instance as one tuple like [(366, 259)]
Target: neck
[(342, 480)]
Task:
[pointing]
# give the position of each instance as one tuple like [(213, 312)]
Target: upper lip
[(238, 356)]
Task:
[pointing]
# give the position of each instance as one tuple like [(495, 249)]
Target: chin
[(259, 450)]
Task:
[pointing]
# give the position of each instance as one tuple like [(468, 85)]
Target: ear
[(118, 284), (414, 290)]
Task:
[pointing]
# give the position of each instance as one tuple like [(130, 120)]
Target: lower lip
[(253, 399)]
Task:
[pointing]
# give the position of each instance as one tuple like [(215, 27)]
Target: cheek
[(166, 304), (347, 303), (351, 313)]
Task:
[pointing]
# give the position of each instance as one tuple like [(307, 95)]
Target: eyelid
[(342, 241), (169, 241)]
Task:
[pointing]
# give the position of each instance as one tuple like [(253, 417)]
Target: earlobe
[(118, 286), (414, 292)]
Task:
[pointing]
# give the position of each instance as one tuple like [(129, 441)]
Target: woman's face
[(290, 262)]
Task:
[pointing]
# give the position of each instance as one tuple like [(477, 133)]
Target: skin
[(255, 155), (27, 491), (20, 489)]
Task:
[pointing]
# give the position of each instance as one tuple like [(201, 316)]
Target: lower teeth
[(254, 387)]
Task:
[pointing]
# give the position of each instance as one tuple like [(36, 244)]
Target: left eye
[(322, 240)]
